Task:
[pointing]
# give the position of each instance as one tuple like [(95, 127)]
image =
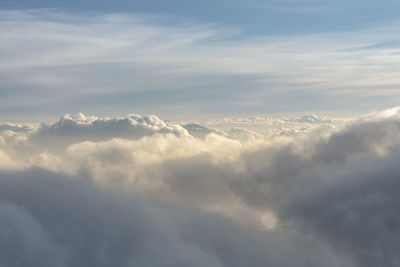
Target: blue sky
[(198, 59), (256, 17)]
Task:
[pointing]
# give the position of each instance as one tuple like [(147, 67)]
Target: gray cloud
[(88, 226), (311, 119), (23, 241), (311, 200), (15, 128), (198, 130), (55, 220), (355, 210)]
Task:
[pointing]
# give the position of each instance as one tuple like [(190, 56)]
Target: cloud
[(355, 210), (312, 119), (55, 62), (69, 130), (198, 130), (309, 200), (235, 133), (88, 226), (62, 221), (17, 128), (24, 241)]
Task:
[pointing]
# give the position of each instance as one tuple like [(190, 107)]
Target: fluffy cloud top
[(73, 129), (138, 191)]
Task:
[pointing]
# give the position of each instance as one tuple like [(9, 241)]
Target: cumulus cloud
[(127, 190), (312, 119), (53, 220), (74, 129), (15, 128)]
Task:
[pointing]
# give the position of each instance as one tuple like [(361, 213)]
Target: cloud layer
[(54, 62), (137, 190)]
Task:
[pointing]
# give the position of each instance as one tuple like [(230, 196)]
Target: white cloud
[(54, 62), (69, 130), (215, 201)]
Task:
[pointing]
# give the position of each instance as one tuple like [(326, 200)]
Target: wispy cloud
[(70, 61)]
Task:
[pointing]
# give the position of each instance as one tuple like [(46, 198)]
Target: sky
[(192, 59), (199, 133)]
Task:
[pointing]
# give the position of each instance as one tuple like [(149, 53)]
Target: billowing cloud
[(355, 210), (69, 130), (138, 190), (53, 220)]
